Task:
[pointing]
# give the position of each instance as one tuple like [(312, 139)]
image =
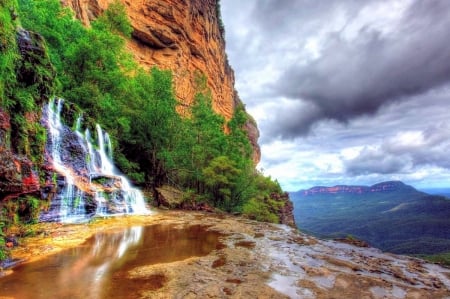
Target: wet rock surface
[(33, 56), (257, 260), (16, 176)]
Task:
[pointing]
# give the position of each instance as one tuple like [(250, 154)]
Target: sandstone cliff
[(185, 37)]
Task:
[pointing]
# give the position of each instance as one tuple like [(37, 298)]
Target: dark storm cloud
[(345, 91), (357, 76), (286, 119), (294, 16)]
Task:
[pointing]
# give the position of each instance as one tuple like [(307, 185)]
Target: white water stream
[(98, 179)]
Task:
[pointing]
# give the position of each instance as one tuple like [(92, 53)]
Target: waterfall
[(105, 152), (85, 178), (91, 153), (54, 120), (71, 203)]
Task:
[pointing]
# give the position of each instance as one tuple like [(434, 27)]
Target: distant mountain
[(392, 216), (437, 191), (380, 187)]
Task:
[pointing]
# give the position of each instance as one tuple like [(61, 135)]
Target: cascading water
[(134, 200), (106, 165), (85, 180), (71, 199)]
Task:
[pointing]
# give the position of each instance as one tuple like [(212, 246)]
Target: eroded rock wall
[(21, 139), (16, 171), (185, 37)]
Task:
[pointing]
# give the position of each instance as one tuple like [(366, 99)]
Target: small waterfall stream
[(85, 181)]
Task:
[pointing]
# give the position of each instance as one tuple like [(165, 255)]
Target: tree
[(8, 52), (115, 19), (261, 206), (220, 178), (208, 137)]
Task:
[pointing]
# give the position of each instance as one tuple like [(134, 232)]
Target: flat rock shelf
[(178, 254)]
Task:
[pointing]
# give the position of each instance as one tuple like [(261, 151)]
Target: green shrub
[(441, 258), (258, 210)]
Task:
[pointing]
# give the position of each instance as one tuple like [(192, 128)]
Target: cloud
[(300, 17), (345, 91), (359, 75), (374, 160), (405, 152), (286, 118), (402, 141)]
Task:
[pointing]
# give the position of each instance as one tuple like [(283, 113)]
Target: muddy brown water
[(99, 267)]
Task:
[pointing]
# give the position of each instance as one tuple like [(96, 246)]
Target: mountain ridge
[(386, 186), (391, 216)]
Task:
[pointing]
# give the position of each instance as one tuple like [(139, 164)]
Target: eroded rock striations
[(185, 37), (255, 260), (19, 139), (286, 210)]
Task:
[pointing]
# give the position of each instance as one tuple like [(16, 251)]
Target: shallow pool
[(99, 267)]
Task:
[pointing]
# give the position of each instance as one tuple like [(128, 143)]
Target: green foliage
[(207, 139), (55, 23), (262, 206), (442, 258), (219, 19), (220, 178), (29, 208), (8, 51), (200, 152), (258, 210), (9, 210), (15, 219), (26, 78), (77, 202), (25, 100), (3, 252), (115, 19)]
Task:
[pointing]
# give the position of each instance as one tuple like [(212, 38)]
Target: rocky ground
[(258, 260)]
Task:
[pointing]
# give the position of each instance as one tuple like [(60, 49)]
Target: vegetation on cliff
[(26, 80), (210, 159)]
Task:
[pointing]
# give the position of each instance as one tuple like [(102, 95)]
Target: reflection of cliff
[(99, 267), (185, 37)]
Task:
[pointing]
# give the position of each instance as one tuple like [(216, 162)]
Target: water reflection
[(99, 267)]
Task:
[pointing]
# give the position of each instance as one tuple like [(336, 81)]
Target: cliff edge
[(186, 37)]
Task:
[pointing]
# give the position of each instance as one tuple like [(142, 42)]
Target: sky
[(345, 91)]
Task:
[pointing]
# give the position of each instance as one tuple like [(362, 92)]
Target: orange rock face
[(184, 37)]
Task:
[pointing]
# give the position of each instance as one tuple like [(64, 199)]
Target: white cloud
[(380, 109)]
